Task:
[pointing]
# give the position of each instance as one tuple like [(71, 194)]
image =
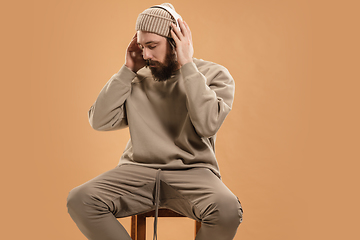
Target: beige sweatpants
[(127, 190)]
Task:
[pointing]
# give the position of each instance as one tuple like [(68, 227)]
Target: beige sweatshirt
[(172, 124)]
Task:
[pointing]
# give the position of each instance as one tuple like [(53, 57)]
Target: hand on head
[(183, 40), (133, 57)]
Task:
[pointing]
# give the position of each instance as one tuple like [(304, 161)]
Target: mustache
[(151, 62)]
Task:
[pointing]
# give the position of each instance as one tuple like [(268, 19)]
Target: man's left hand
[(183, 40)]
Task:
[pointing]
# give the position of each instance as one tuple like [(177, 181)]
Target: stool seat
[(138, 222)]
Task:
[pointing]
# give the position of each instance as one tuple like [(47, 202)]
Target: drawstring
[(157, 196)]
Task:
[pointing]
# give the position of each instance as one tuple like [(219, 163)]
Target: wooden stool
[(138, 222)]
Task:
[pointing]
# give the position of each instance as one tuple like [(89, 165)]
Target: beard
[(163, 71)]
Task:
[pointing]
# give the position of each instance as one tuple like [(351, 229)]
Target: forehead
[(148, 37)]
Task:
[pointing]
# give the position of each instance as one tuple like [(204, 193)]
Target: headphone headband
[(172, 12)]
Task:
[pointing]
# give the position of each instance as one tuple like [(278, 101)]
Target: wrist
[(182, 63), (189, 69), (133, 69)]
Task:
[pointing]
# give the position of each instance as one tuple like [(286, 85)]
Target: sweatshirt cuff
[(189, 69), (125, 74)]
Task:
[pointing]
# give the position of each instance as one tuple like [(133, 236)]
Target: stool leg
[(133, 227), (141, 228), (197, 227)]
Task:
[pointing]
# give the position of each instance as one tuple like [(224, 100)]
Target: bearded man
[(174, 105)]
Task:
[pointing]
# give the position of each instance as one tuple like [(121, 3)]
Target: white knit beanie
[(156, 20)]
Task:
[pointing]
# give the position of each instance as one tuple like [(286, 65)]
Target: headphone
[(172, 12)]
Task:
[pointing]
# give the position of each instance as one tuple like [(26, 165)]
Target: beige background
[(289, 149)]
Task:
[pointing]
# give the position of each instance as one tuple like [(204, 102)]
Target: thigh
[(124, 190), (202, 188)]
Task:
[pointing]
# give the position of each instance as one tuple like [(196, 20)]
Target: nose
[(146, 54)]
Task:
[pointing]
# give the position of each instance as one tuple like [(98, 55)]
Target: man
[(173, 105)]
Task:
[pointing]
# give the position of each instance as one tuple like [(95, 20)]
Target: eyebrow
[(150, 42)]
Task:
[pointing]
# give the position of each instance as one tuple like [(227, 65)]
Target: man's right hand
[(133, 57)]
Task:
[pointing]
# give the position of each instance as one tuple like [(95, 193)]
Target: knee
[(80, 197), (75, 197), (226, 211), (230, 210)]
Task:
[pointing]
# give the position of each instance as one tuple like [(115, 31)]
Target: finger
[(175, 37), (177, 31), (133, 43), (135, 36), (133, 46), (183, 28), (189, 31)]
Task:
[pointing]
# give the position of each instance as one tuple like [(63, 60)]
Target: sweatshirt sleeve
[(209, 96), (108, 111)]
